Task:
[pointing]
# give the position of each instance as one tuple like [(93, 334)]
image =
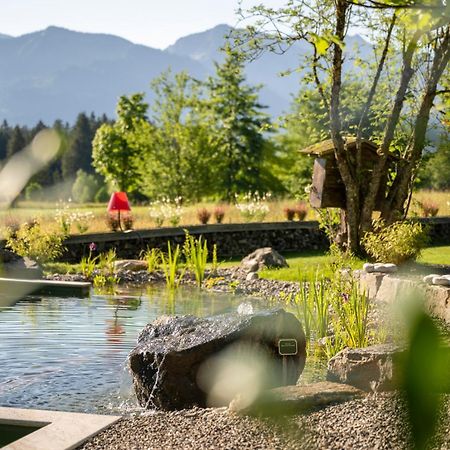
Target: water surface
[(69, 354)]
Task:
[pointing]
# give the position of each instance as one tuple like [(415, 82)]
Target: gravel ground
[(374, 422), (220, 282)]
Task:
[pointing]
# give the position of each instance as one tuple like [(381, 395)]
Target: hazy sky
[(157, 23)]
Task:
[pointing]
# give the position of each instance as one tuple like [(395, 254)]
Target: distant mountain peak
[(202, 46)]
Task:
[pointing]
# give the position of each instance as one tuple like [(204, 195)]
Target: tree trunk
[(380, 167), (403, 182)]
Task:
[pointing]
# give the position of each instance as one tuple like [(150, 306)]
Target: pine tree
[(5, 133), (79, 150), (17, 142), (239, 121)]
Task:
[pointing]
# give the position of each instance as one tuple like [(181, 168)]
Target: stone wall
[(392, 288), (233, 240), (438, 230)]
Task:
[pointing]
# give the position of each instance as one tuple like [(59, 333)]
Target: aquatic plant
[(214, 262), (351, 306), (334, 312), (88, 265), (153, 258), (196, 255), (313, 302), (171, 263), (106, 262)]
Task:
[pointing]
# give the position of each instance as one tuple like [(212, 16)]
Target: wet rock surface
[(171, 351), (374, 368)]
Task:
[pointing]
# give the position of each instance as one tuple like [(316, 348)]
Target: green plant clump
[(32, 241), (153, 258), (396, 243), (170, 264), (196, 255)]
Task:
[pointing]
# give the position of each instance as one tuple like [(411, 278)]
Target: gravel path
[(374, 422)]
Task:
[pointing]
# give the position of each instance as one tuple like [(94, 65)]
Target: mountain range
[(57, 73)]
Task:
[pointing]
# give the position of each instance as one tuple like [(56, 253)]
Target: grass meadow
[(46, 212)]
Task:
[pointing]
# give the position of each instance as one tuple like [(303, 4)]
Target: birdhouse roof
[(326, 148)]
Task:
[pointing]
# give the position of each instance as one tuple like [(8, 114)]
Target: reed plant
[(171, 263), (153, 258), (352, 309), (196, 255), (106, 262), (214, 262), (88, 264), (335, 312), (313, 307)]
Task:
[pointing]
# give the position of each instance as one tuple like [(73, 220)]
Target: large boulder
[(263, 257), (15, 266), (374, 368), (181, 362)]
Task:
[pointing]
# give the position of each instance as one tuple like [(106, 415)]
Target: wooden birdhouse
[(328, 190)]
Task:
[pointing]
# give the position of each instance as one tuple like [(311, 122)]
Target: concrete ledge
[(60, 430), (14, 289)]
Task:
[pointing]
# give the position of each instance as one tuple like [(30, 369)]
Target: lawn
[(303, 265), (436, 255)]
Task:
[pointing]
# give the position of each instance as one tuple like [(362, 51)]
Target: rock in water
[(263, 257), (181, 362)]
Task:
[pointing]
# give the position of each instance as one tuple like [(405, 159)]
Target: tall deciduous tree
[(420, 34), (116, 152), (181, 158)]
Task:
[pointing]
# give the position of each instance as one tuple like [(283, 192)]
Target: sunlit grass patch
[(435, 255)]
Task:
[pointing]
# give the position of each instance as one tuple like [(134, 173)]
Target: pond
[(70, 354)]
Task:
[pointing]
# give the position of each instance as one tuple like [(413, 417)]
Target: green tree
[(438, 166), (181, 159), (116, 147), (5, 133), (85, 187), (412, 55), (239, 123), (78, 154), (16, 142)]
